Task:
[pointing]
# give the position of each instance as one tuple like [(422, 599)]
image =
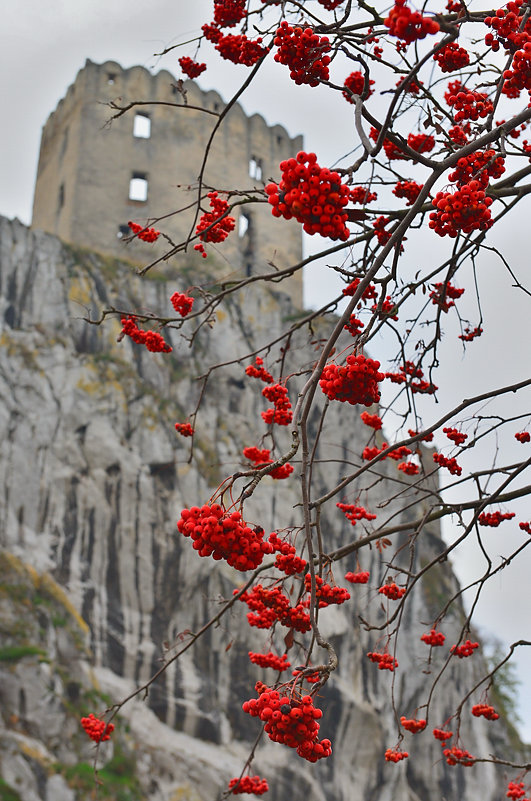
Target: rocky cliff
[(97, 588)]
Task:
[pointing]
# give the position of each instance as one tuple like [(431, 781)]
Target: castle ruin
[(95, 175)]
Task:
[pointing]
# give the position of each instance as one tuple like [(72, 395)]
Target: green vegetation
[(116, 781), (12, 653), (7, 793)]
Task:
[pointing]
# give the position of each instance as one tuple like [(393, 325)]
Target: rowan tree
[(440, 99)]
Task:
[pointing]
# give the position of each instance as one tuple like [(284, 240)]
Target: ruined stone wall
[(86, 165)]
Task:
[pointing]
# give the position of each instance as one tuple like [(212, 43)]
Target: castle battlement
[(95, 175)]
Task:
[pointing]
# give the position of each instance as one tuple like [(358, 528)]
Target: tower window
[(123, 231), (111, 77), (138, 187), (243, 224), (142, 126), (255, 168), (61, 197)]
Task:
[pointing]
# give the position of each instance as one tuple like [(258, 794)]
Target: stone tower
[(93, 177)]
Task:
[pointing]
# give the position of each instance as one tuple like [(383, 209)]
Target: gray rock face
[(92, 480)]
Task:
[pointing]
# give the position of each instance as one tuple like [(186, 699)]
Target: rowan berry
[(355, 513), (515, 791), (493, 519), (452, 57), (444, 294), (257, 370), (392, 591), (458, 756), (466, 209), (372, 420), (240, 50), (227, 13), (260, 458), (464, 650), (384, 660), (181, 303), (425, 438), (141, 232), (190, 67), (421, 143), (409, 190), (392, 755), (484, 710), (224, 535), (523, 436), (281, 414), (358, 194), (409, 468), (449, 463), (270, 660), (412, 725), (409, 25), (152, 340), (97, 729), (213, 226), (434, 638), (184, 429), (455, 436), (361, 577), (304, 52), (471, 334), (355, 83), (442, 735), (525, 527), (354, 326), (355, 383), (253, 785), (324, 593)]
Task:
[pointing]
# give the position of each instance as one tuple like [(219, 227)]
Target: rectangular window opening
[(111, 77), (142, 126), (138, 187), (244, 222), (248, 269), (255, 168), (61, 197)]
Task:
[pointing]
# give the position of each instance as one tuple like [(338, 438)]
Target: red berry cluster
[(382, 235), (464, 650), (330, 4), (311, 194), (370, 453), (434, 638), (181, 303), (324, 593), (354, 326), (311, 678), (398, 453), (369, 293), (523, 436), (426, 438), (508, 27), (270, 660), (409, 190), (97, 729), (227, 13), (410, 369), (146, 234), (151, 339), (412, 725), (452, 57), (241, 50), (357, 382), (384, 660), (455, 436), (421, 143), (409, 25), (355, 513), (190, 67), (387, 307), (525, 527), (291, 721), (467, 209), (409, 468), (471, 334), (442, 735), (281, 414), (270, 605), (372, 420), (459, 134), (493, 519), (304, 52), (480, 166), (458, 756), (484, 710), (257, 370), (287, 561), (515, 791), (448, 462), (184, 429), (361, 577), (355, 83), (358, 194), (468, 104), (413, 88), (444, 294), (260, 458), (253, 785), (392, 591), (220, 229), (393, 755), (224, 536)]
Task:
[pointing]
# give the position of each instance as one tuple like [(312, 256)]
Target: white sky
[(44, 45)]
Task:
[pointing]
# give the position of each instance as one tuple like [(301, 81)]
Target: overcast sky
[(43, 45)]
